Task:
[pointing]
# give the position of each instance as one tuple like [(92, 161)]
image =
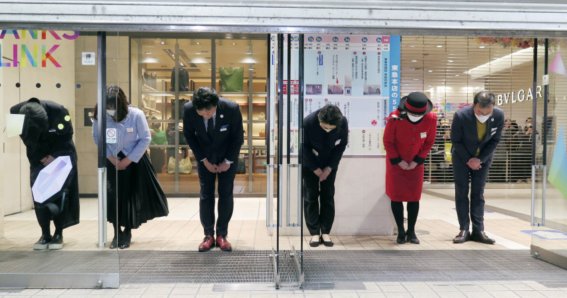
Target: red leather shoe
[(223, 243), (207, 244)]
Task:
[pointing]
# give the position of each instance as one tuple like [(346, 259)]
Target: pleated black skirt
[(134, 194)]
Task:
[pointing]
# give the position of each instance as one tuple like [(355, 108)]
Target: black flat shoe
[(411, 237), (124, 242), (326, 239), (315, 241)]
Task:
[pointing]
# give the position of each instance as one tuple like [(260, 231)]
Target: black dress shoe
[(482, 238), (462, 237), (411, 237), (401, 238)]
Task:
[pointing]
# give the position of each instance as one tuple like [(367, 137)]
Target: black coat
[(322, 149), (228, 135), (56, 140)]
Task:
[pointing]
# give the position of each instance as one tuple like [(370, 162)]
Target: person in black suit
[(213, 129), (325, 140), (475, 132)]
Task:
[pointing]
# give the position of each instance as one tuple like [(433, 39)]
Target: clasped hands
[(120, 164), (474, 163), (407, 166), (323, 174), (217, 169)]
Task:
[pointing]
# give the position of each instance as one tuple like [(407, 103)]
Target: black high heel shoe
[(411, 237), (124, 242)]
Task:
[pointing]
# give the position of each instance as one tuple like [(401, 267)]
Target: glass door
[(49, 227), (284, 199), (549, 180)]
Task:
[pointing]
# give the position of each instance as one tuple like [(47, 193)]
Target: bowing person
[(408, 138)]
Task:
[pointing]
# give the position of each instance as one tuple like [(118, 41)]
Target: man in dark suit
[(325, 140), (213, 129), (475, 132)]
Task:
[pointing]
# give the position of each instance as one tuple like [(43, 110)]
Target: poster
[(358, 73)]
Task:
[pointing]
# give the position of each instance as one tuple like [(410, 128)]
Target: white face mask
[(482, 118), (111, 113), (413, 118)]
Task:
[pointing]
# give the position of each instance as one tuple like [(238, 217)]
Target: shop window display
[(164, 74)]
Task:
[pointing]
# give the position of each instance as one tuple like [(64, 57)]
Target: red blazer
[(407, 141)]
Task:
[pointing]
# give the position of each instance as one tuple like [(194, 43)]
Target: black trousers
[(207, 200), (319, 203), (472, 210)]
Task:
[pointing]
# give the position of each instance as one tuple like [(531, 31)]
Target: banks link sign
[(35, 48)]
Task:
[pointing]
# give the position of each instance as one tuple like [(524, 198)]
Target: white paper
[(14, 124), (51, 179)]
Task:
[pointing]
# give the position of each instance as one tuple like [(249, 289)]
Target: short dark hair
[(205, 98), (330, 114), (484, 99)]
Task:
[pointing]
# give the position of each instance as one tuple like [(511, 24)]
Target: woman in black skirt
[(134, 194)]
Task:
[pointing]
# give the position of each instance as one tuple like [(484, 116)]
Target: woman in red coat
[(408, 138)]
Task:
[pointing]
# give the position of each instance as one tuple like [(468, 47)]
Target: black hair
[(330, 114), (484, 99), (205, 98), (115, 99)]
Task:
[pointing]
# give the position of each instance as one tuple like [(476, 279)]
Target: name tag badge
[(223, 129), (337, 142), (494, 128), (111, 136), (423, 135), (492, 133), (129, 129), (315, 152)]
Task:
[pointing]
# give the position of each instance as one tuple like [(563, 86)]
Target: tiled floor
[(181, 231)]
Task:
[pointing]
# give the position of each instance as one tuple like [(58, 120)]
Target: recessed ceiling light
[(414, 61), (162, 42), (416, 79), (457, 75), (430, 70), (148, 52), (439, 46), (198, 43), (450, 61), (234, 43), (481, 47)]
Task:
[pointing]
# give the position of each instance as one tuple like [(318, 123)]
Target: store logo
[(517, 96), (22, 54)]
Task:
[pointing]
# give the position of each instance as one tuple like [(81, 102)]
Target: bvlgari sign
[(517, 96)]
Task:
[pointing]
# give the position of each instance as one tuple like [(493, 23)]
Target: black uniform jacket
[(322, 149), (56, 140), (227, 138)]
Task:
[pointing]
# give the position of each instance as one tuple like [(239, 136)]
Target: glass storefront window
[(164, 74)]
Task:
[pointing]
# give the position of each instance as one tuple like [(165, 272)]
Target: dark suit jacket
[(322, 149), (465, 138), (228, 134)]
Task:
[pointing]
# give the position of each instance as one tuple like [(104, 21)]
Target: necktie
[(210, 127)]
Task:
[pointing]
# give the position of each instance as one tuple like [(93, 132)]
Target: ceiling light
[(414, 61), (439, 46), (199, 60), (162, 42), (503, 63), (430, 70), (148, 52), (481, 47), (198, 43), (150, 60), (248, 60), (234, 43), (450, 61)]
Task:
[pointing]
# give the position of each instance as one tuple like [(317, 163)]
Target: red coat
[(407, 141)]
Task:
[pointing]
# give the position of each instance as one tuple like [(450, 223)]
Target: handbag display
[(231, 79)]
